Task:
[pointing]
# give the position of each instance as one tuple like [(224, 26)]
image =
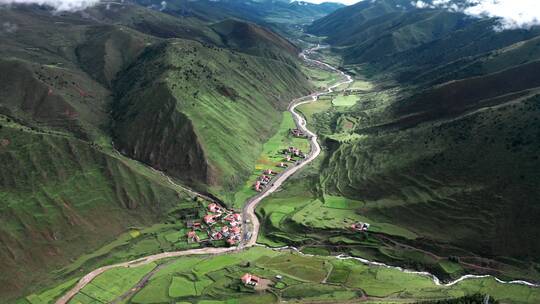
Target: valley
[(241, 151), (85, 290), (251, 231)]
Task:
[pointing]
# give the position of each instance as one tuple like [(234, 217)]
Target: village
[(218, 224), (291, 156), (222, 224)]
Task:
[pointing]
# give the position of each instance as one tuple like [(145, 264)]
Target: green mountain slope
[(53, 96), (62, 197), (185, 95), (255, 40), (468, 181), (392, 37), (445, 144), (221, 110)]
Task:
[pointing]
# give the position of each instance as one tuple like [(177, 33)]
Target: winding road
[(248, 212), (249, 208)]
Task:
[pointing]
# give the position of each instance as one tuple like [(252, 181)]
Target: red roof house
[(360, 226), (249, 279), (209, 218), (192, 236), (213, 207)]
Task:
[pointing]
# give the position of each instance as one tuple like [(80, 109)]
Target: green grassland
[(357, 84), (345, 101), (308, 110), (111, 284), (350, 93), (305, 279), (134, 244), (50, 295), (327, 55), (299, 216), (321, 78)]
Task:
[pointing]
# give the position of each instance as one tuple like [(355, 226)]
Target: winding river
[(251, 219)]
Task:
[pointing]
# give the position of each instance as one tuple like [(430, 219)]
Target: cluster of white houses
[(220, 224)]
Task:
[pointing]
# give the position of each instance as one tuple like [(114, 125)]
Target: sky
[(347, 2), (512, 13), (59, 5)]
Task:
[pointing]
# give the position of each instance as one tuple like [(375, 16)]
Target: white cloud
[(58, 5), (511, 13), (421, 4), (346, 2)]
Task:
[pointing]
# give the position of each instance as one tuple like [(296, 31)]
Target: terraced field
[(216, 279)]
